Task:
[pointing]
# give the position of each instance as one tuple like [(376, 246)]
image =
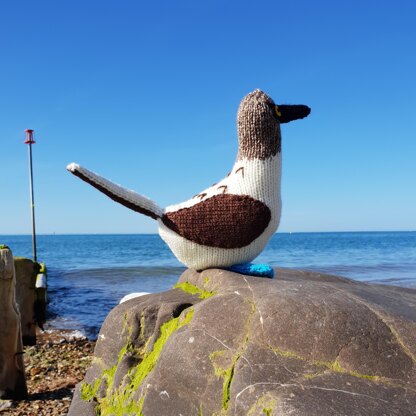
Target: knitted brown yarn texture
[(227, 221), (258, 127)]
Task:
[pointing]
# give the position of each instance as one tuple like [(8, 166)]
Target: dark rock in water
[(229, 344)]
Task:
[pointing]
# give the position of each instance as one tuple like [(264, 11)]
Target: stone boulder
[(12, 376), (221, 343)]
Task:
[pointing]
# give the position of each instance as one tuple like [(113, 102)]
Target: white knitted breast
[(260, 180)]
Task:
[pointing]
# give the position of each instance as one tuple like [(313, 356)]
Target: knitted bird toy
[(228, 224)]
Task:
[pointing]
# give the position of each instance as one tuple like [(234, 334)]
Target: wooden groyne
[(12, 375)]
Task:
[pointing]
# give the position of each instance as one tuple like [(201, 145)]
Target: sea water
[(89, 274)]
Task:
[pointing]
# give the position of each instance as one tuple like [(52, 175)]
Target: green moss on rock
[(336, 367), (149, 360), (333, 366), (227, 374), (88, 391), (119, 401), (194, 290), (263, 406)]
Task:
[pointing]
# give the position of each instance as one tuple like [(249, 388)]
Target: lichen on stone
[(194, 290), (333, 366), (142, 325), (336, 367), (264, 405), (228, 373), (120, 401), (89, 391), (287, 354)]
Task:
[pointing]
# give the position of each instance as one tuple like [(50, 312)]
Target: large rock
[(229, 344), (12, 377)]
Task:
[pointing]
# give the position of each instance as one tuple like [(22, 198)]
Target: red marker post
[(29, 140)]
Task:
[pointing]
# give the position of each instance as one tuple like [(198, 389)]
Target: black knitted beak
[(286, 113)]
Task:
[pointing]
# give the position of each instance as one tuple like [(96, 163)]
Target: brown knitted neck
[(258, 128)]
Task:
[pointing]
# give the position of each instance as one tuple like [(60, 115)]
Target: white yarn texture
[(261, 181)]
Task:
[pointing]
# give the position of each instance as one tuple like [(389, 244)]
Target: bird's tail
[(129, 199)]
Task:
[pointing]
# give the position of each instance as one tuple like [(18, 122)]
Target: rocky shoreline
[(228, 344), (220, 343), (53, 367)]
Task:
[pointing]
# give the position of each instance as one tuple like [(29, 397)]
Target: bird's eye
[(276, 110)]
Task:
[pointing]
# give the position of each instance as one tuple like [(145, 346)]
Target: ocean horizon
[(88, 274)]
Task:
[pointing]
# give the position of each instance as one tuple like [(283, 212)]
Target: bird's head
[(258, 123)]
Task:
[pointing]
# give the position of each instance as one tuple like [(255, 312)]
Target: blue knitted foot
[(251, 269)]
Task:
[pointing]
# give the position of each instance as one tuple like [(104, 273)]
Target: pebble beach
[(53, 367)]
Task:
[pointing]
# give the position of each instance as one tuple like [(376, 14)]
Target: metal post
[(29, 140)]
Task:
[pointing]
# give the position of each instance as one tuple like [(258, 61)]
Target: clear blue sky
[(146, 94)]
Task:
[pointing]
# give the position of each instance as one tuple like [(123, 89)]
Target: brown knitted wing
[(225, 221)]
